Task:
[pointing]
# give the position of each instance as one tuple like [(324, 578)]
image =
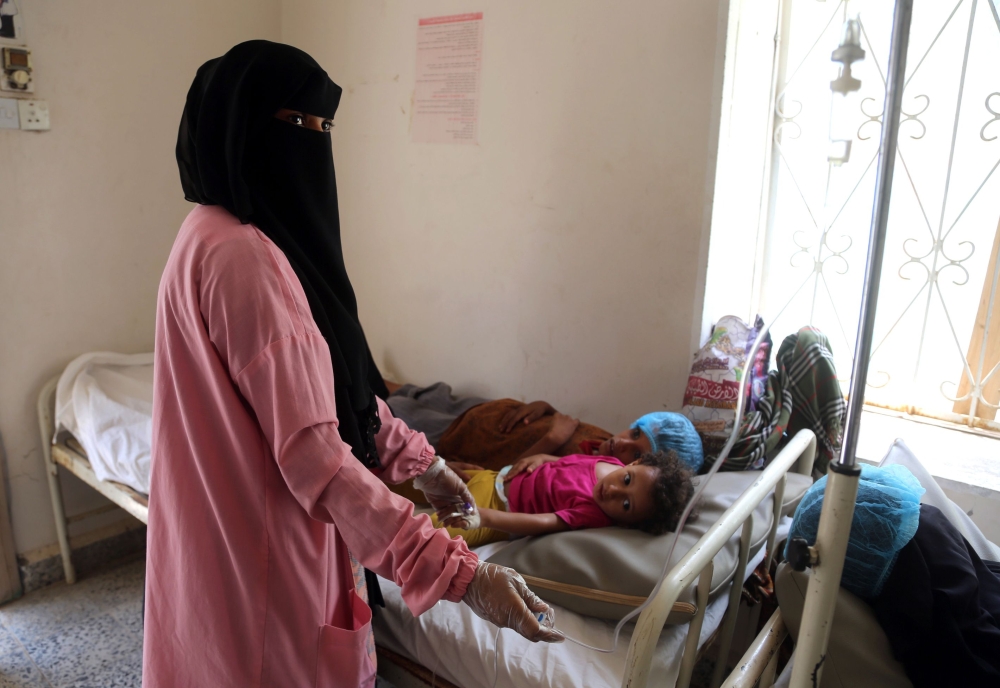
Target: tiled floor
[(87, 635), (83, 635)]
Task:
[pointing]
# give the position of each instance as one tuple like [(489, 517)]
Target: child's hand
[(562, 429), (528, 413), (526, 465)]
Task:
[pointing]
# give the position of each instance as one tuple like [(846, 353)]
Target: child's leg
[(482, 485)]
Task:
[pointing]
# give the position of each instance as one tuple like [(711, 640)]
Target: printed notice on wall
[(446, 98)]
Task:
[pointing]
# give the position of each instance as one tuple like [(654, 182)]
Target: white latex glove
[(449, 495), (501, 596)]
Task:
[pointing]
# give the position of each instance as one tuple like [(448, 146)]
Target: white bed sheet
[(456, 644), (106, 401)]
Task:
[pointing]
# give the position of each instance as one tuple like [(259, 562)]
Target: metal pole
[(895, 79), (843, 476)]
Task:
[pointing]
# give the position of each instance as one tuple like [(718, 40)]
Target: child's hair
[(671, 492)]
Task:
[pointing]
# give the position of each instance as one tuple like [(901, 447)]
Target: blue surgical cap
[(886, 516), (674, 431)]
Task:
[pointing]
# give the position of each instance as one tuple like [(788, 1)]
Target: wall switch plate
[(8, 114), (34, 114)]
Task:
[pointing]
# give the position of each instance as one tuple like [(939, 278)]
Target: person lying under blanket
[(494, 434), (544, 494)]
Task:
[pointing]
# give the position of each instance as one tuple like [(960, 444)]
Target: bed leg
[(45, 425), (735, 592), (55, 490), (694, 628)]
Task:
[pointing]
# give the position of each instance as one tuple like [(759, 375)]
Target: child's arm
[(562, 429), (521, 524)]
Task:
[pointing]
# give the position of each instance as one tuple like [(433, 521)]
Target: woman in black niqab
[(234, 153), (254, 504)]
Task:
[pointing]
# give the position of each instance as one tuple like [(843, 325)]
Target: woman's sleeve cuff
[(466, 570), (425, 459)]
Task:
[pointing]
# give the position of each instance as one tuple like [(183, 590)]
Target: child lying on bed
[(547, 494)]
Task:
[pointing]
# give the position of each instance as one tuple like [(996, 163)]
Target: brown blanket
[(475, 437)]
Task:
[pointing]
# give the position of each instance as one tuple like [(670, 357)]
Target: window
[(936, 352)]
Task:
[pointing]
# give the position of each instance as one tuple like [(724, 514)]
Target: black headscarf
[(233, 152)]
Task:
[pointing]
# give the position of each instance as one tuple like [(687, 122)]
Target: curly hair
[(671, 492)]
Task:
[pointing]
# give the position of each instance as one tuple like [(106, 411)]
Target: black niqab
[(234, 153)]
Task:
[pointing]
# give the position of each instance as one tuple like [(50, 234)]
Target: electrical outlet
[(34, 114), (8, 114)]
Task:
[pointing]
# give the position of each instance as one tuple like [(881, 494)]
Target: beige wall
[(561, 258), (88, 211)]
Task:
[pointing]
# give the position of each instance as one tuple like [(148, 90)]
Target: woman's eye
[(635, 433), (626, 505), (327, 125), (297, 120), (637, 454), (628, 478)]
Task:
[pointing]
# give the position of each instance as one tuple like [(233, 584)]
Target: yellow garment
[(482, 485)]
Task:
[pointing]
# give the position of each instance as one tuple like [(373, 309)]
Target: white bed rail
[(798, 455), (73, 461), (760, 662)]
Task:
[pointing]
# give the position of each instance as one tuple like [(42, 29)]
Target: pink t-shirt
[(564, 488), (256, 503)]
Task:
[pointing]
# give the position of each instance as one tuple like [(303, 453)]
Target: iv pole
[(827, 555)]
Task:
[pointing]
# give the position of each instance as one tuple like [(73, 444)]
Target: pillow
[(608, 572), (858, 654)]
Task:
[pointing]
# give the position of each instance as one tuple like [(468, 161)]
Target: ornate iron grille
[(937, 344)]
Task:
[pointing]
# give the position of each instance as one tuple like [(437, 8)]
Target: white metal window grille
[(937, 343)]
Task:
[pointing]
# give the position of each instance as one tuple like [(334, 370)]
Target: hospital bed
[(449, 643), (66, 452)]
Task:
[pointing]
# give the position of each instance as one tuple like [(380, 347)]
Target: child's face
[(627, 446), (626, 494)]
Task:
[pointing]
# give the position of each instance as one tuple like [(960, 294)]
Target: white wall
[(88, 211), (561, 258)]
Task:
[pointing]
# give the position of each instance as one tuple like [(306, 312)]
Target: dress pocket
[(343, 658)]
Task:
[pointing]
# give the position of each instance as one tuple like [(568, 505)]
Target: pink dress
[(564, 488), (256, 504)]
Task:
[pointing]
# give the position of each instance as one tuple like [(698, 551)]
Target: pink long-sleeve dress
[(259, 513)]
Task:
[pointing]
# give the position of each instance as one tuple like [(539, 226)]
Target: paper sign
[(446, 97)]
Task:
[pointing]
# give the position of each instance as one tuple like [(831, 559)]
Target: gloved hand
[(499, 595), (449, 495)]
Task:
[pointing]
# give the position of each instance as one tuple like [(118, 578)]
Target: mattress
[(451, 641)]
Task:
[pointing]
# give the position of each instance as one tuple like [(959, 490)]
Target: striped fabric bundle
[(803, 392)]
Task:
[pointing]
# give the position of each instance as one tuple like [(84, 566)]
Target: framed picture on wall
[(11, 22)]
